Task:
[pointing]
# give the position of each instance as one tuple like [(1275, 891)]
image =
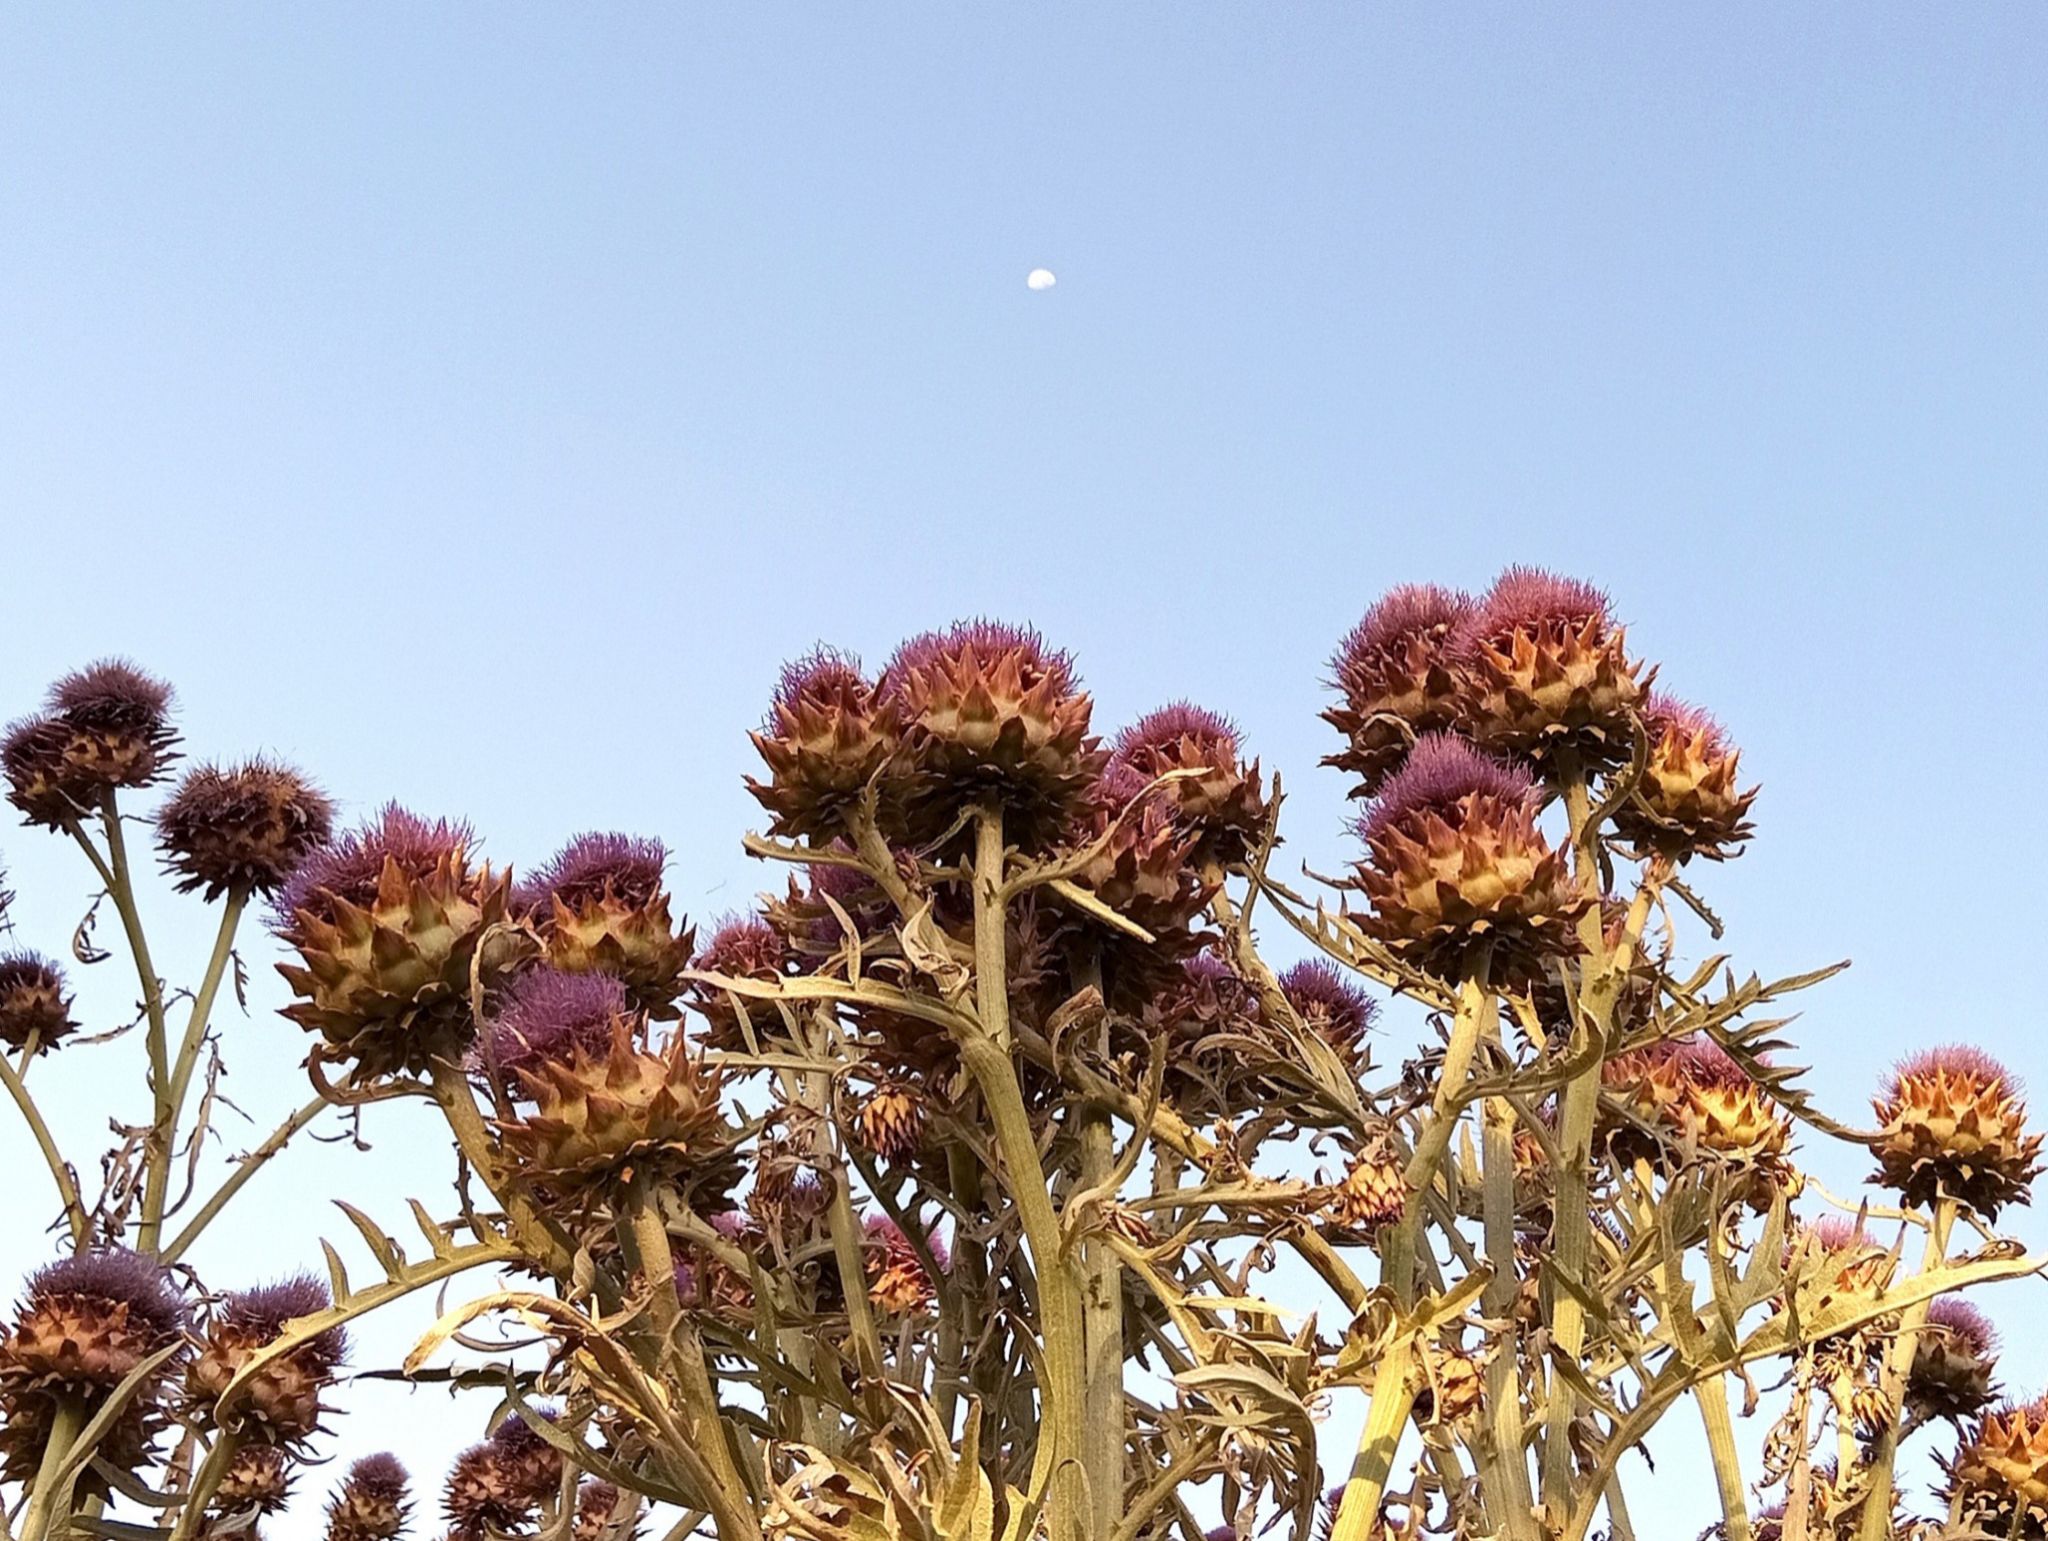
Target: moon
[(1040, 278)]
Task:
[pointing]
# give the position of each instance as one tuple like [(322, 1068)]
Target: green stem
[(205, 1485), (1712, 1395), (1883, 1459), (1102, 1303), (1393, 1397), (541, 1237), (1505, 1469), (42, 1519), (987, 1056), (156, 1192), (67, 1190)]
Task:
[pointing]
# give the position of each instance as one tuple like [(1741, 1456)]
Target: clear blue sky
[(475, 404)]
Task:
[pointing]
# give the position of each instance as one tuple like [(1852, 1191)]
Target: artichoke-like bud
[(241, 830), (1143, 868), (1954, 1360), (1330, 1006), (1841, 1263), (371, 1504), (603, 1513), (891, 1121), (1372, 1196), (527, 1463), (1223, 803), (35, 1006), (389, 922), (598, 1117), (87, 1322), (259, 1477), (2001, 1467), (1544, 670), (1450, 1384), (1689, 802), (1395, 673), (599, 907), (806, 918), (1951, 1122), (1454, 858), (897, 1281), (281, 1404), (1695, 1093), (107, 726), (789, 1192), (743, 947), (1206, 1014), (484, 1494), (990, 712), (829, 733), (707, 1282)]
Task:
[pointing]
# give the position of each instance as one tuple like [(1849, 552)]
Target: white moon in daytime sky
[(1039, 278)]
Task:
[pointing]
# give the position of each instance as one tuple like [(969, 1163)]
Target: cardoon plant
[(988, 1179)]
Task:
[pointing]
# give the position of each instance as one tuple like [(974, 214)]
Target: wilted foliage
[(986, 1180)]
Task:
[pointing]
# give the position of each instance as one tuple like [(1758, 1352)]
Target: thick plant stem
[(1504, 1471), (451, 1092), (1103, 1312), (156, 1192), (41, 1520), (1884, 1452), (1393, 1397), (1712, 1395), (986, 1055)]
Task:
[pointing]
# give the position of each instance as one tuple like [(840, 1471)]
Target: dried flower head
[(1395, 675), (991, 713), (1688, 802), (1693, 1092), (528, 1463), (389, 921), (259, 1478), (830, 735), (546, 1015), (1952, 1122), (897, 1281), (2000, 1471), (105, 727), (891, 1121), (1372, 1196), (243, 829), (742, 947), (1143, 866), (1215, 796), (485, 1494), (1954, 1360), (281, 1403), (371, 1503), (600, 907), (35, 1006), (1454, 858), (601, 1512), (1544, 671)]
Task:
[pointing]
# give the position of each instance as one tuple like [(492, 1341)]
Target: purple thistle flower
[(115, 1276), (1440, 771), (742, 947), (1965, 1323), (1705, 1063), (1525, 598), (380, 1477), (1323, 997), (825, 675), (881, 1231), (1960, 1061), (111, 694), (549, 1015), (350, 869), (1406, 611), (516, 1438), (1664, 714), (1164, 729), (579, 872), (1839, 1233), (988, 640), (262, 1312)]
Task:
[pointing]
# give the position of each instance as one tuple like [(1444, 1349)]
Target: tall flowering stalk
[(987, 1180)]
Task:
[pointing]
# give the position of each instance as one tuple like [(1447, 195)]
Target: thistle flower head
[(104, 727), (742, 947), (1439, 774), (1529, 599), (371, 1502), (381, 1475), (1213, 794), (111, 693), (1401, 615), (351, 869), (829, 738), (114, 1277), (548, 1016), (242, 829), (260, 1314), (1172, 726), (985, 640), (627, 867), (1963, 1322), (1953, 1122), (35, 1006), (1688, 801), (825, 676), (1334, 1008), (897, 1281)]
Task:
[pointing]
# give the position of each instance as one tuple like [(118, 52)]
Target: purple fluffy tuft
[(580, 872), (987, 640), (112, 693), (1440, 772), (350, 869), (380, 1477), (116, 1276), (1166, 727), (549, 1015), (823, 675), (265, 1309), (1408, 611), (1960, 1061), (1316, 988), (1525, 598)]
